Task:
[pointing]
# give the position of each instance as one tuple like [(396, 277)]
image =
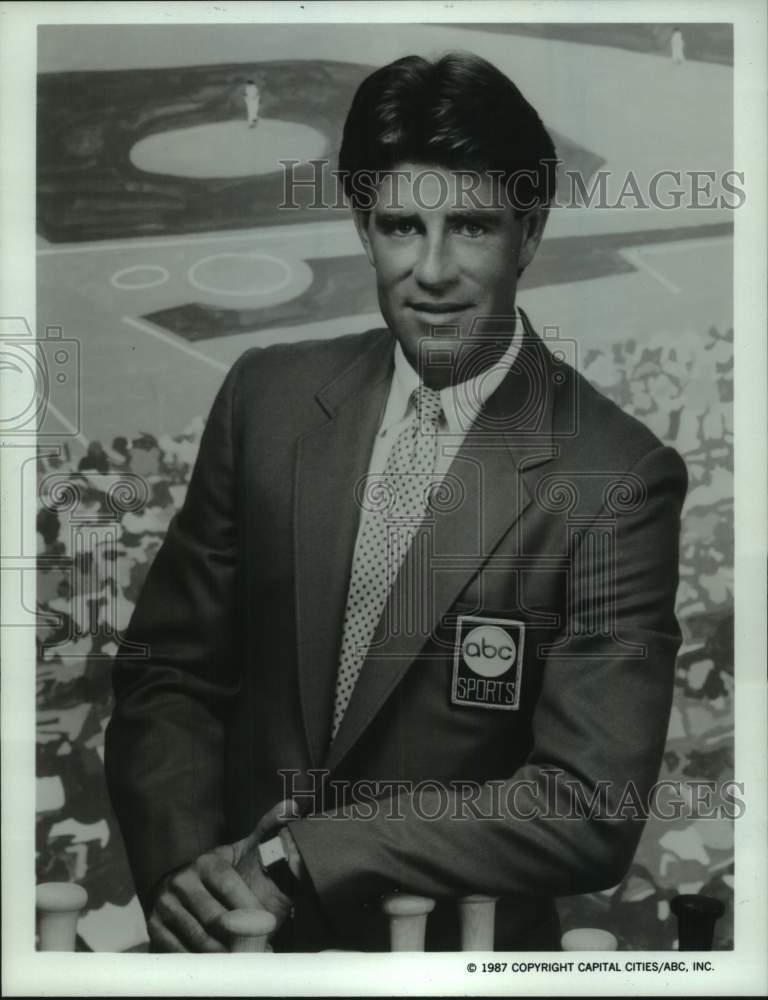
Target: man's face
[(445, 257)]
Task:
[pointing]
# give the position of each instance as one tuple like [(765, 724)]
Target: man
[(678, 47), (422, 585), (252, 99)]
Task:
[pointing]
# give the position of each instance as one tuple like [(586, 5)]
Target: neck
[(467, 361)]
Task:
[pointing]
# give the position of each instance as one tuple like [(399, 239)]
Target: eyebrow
[(483, 217)]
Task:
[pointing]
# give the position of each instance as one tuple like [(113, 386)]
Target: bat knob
[(588, 939), (401, 905), (407, 920), (59, 905), (248, 930)]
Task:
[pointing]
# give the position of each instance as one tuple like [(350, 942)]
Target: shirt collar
[(461, 402)]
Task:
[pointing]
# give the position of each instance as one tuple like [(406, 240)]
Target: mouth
[(436, 313)]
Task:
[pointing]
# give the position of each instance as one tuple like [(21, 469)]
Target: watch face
[(271, 851), (276, 867)]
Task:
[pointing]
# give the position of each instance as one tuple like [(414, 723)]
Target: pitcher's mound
[(227, 149)]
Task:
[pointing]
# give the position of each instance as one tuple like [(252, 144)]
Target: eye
[(400, 227), (471, 229), (397, 224)]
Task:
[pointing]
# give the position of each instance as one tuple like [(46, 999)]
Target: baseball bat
[(476, 917), (407, 920), (696, 918), (58, 906), (248, 930)]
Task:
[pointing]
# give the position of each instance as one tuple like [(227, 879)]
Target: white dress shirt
[(461, 405)]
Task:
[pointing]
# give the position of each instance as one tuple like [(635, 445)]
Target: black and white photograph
[(384, 498)]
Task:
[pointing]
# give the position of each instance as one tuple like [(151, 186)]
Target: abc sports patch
[(487, 663)]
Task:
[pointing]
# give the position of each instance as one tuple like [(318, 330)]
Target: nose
[(436, 268)]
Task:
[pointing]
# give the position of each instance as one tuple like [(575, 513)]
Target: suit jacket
[(559, 520)]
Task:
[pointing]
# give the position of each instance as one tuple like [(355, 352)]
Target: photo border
[(740, 972)]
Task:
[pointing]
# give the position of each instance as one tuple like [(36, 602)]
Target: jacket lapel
[(330, 461), (488, 495)]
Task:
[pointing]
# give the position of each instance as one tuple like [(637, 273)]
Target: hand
[(191, 899), (247, 860), (247, 864)]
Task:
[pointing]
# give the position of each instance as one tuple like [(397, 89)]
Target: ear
[(533, 223), (362, 220)]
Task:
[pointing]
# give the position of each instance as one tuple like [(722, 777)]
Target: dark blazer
[(560, 519)]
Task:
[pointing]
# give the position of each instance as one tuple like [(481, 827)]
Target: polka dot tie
[(394, 506)]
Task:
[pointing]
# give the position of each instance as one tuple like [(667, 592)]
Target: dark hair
[(460, 113)]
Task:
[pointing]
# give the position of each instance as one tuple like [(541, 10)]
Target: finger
[(265, 890), (288, 811), (224, 883), (161, 938), (284, 812), (177, 920), (197, 900)]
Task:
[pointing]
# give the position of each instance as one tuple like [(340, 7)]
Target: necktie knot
[(429, 406)]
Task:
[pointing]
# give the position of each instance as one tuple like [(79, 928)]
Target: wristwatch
[(274, 864)]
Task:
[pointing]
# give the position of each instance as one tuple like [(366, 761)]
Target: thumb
[(284, 812)]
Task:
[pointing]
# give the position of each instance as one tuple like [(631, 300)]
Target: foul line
[(635, 257), (69, 426), (173, 341)]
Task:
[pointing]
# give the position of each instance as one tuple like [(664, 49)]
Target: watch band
[(274, 864)]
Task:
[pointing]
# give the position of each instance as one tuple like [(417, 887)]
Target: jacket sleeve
[(599, 729), (164, 742)]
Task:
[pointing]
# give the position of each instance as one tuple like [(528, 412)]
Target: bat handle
[(59, 905), (248, 930), (476, 916), (696, 917), (407, 920), (588, 939)]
